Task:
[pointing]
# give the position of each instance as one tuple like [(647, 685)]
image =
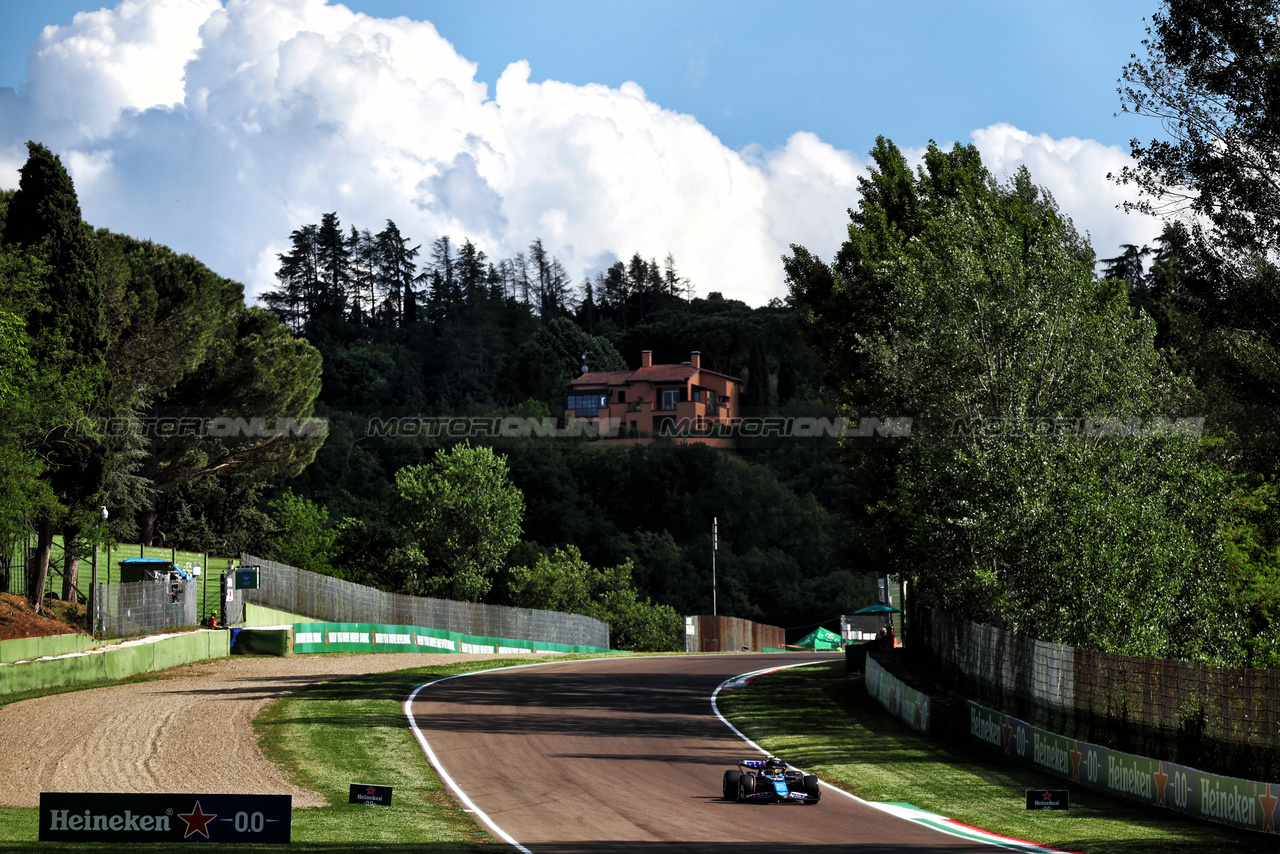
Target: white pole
[(715, 544)]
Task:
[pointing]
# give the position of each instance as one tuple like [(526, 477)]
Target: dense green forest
[(463, 335), (224, 427)]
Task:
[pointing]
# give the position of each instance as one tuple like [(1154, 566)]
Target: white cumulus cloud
[(1075, 172), (115, 60), (218, 128)]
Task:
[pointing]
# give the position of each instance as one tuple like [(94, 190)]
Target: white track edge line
[(470, 805), (1026, 846), (452, 784)]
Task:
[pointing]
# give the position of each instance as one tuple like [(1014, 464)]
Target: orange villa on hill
[(685, 400)]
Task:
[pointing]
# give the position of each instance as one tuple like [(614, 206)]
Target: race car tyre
[(746, 785), (811, 788), (731, 785)]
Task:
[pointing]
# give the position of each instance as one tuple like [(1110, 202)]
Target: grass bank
[(327, 737), (820, 718)]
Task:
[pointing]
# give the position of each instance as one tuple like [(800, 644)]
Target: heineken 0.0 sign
[(363, 793), (246, 578), (99, 817), (1048, 799)]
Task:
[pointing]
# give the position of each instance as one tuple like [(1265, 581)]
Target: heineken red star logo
[(1268, 810), (1007, 731), (1076, 756), (1161, 779), (197, 821), (369, 790)]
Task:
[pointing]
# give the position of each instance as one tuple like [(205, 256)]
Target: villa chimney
[(646, 358), (696, 358)]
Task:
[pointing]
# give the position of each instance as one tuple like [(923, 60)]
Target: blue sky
[(792, 94)]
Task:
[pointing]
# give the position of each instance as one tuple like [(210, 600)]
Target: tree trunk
[(38, 568), (71, 545), (146, 524)]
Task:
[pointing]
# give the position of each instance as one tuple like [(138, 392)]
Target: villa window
[(588, 405)]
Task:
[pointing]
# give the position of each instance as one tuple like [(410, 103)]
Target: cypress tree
[(68, 326), (44, 217)]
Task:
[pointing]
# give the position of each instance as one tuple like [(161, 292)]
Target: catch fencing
[(322, 597), (1219, 719), (145, 607)]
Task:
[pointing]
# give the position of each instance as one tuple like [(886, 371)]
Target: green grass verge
[(327, 737), (820, 718)]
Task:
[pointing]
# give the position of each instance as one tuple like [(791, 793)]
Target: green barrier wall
[(114, 663), (373, 637), (26, 649), (1240, 803), (274, 641)]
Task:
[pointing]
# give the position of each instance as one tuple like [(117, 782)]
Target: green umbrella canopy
[(879, 609), (819, 638)]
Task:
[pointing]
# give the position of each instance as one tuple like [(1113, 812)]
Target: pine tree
[(472, 274), (363, 251), (445, 297), (299, 277), (334, 260), (397, 272)]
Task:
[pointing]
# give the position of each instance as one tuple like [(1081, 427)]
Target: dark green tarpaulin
[(819, 638)]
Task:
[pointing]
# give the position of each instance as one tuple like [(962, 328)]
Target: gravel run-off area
[(187, 733)]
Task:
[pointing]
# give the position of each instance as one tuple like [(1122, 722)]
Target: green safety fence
[(376, 637)]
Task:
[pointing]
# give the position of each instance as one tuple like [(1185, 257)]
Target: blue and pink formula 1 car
[(767, 781)]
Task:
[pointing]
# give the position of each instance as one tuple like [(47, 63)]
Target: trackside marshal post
[(103, 817)]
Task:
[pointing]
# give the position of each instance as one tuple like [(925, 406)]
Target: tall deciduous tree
[(555, 354), (460, 516), (1033, 469), (44, 218), (1211, 75), (304, 537), (563, 581)]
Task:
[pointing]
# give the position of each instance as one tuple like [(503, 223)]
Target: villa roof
[(651, 374)]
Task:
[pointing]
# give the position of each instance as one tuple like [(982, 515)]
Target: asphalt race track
[(626, 755)]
